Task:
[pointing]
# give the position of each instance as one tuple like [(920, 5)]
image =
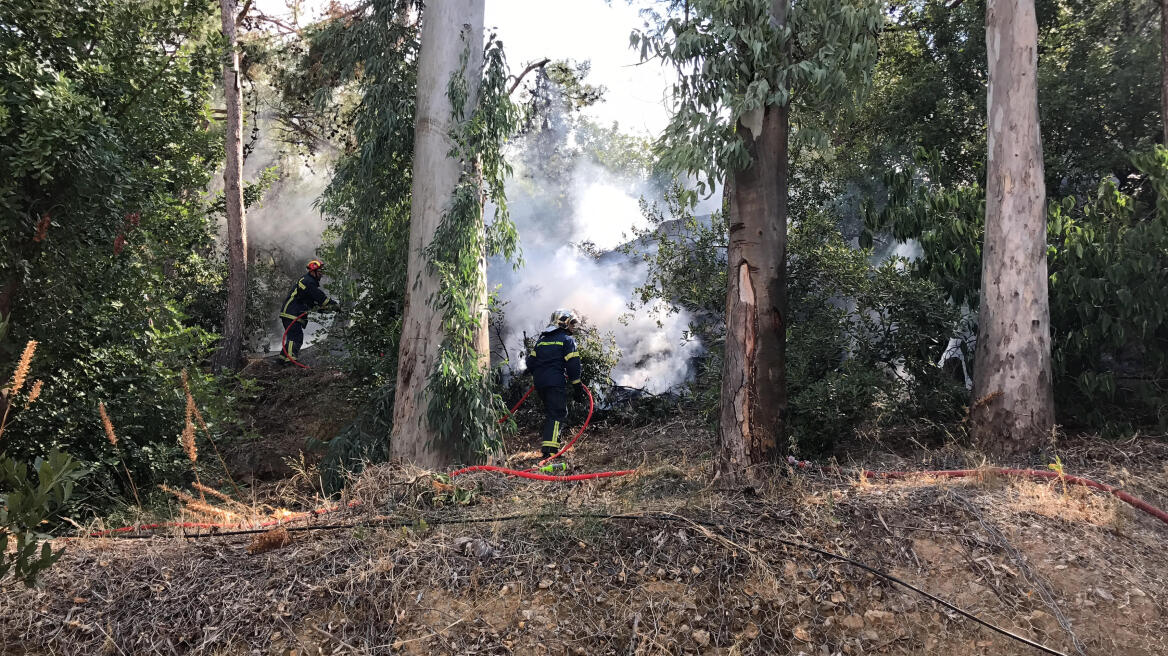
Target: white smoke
[(602, 207), (285, 224)]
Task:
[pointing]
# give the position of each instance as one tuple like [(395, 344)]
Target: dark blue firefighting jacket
[(306, 295), (554, 361)]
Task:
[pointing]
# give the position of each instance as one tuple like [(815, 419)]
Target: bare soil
[(708, 572)]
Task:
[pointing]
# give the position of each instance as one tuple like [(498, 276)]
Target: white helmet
[(566, 319)]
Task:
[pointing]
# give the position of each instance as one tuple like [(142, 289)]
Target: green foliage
[(733, 60), (463, 404), (863, 341), (26, 503), (356, 79), (363, 441), (1097, 91), (1108, 264), (1109, 329), (105, 153)]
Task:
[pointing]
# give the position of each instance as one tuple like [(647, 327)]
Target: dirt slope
[(1039, 561)]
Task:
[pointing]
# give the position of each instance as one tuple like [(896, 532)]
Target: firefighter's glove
[(580, 394)]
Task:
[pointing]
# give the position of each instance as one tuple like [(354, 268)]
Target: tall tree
[(1014, 406), (743, 67), (229, 352), (450, 58), (1164, 68)]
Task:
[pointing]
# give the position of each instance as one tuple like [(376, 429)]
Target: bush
[(863, 341), (1106, 260), (26, 503)]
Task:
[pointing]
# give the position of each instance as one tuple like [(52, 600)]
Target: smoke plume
[(558, 208)]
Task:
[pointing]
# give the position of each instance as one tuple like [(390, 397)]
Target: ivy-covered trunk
[(232, 347), (754, 391), (1013, 408), (448, 27)]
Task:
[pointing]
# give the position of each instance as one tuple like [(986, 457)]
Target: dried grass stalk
[(187, 439), (23, 367), (193, 410), (219, 495), (113, 440), (270, 541), (35, 393), (194, 505), (107, 424)]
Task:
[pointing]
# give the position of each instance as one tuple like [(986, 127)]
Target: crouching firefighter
[(306, 296), (554, 363)]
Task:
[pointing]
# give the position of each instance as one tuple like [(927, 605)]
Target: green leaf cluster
[(27, 502), (1107, 258), (734, 60), (463, 402), (107, 143), (864, 340)]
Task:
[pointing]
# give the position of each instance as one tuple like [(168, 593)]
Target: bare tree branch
[(243, 12), (530, 67)]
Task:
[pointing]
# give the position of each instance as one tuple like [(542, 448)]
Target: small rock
[(853, 622), (879, 616), (801, 633), (701, 637), (751, 631), (544, 584), (527, 614), (1103, 594), (695, 570)]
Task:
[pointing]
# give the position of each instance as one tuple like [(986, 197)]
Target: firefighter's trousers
[(555, 404), (293, 340)]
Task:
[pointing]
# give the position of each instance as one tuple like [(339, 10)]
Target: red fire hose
[(532, 473), (802, 464), (284, 345)]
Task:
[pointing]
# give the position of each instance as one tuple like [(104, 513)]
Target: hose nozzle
[(555, 466)]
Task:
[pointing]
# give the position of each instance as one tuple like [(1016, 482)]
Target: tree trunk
[(754, 382), (448, 27), (229, 353), (1013, 409), (1164, 68)]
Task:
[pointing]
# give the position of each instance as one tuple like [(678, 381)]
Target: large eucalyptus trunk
[(754, 381), (232, 347), (1013, 407), (1164, 68), (448, 27)]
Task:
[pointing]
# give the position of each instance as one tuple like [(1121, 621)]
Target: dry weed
[(270, 541), (1077, 504)]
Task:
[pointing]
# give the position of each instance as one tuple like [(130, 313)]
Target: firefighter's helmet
[(565, 319), (314, 266)]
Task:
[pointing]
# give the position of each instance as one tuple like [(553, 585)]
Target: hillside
[(658, 562)]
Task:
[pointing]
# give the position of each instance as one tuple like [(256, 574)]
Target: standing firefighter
[(305, 296), (554, 362)]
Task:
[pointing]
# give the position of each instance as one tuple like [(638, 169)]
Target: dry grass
[(1072, 503), (547, 584)]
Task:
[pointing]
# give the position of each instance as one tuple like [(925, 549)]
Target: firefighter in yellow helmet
[(306, 296)]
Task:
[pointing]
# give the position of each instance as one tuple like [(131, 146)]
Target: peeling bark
[(754, 395), (1012, 370)]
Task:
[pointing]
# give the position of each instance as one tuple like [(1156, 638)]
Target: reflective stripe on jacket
[(306, 295), (554, 361)]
